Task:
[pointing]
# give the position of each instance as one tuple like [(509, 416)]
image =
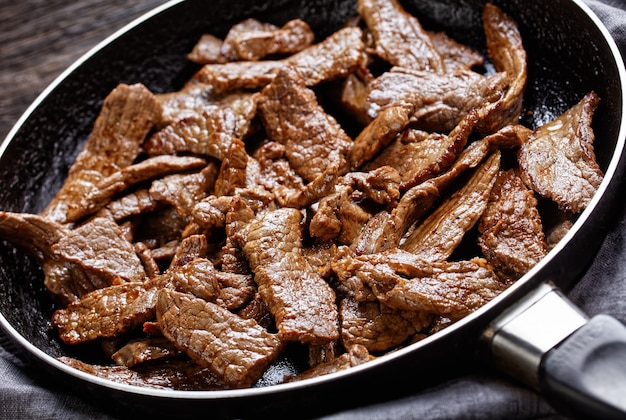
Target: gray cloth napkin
[(27, 393)]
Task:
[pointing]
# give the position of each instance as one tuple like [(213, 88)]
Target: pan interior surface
[(568, 56)]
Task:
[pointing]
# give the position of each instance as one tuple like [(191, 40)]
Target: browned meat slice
[(127, 115), (207, 133), (378, 327), (504, 43), (97, 314), (147, 259), (418, 155), (354, 94), (455, 55), (440, 101), (275, 173), (357, 355), (313, 139), (232, 175), (101, 193), (399, 37), (173, 374), (235, 349), (184, 191), (335, 57), (293, 37), (138, 202), (559, 162), (145, 350), (257, 309), (251, 25), (302, 303), (100, 246), (190, 248), (208, 50), (512, 237), (435, 238), (378, 134), (403, 280)]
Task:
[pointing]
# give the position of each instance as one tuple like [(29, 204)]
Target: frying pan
[(570, 53)]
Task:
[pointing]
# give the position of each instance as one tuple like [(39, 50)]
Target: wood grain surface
[(39, 39)]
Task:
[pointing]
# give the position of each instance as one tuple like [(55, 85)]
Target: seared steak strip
[(504, 43), (399, 37), (435, 238), (403, 280), (455, 55), (440, 101), (511, 232), (335, 57), (235, 349), (291, 115), (127, 115), (138, 202), (101, 193), (208, 133), (302, 303), (377, 326), (356, 355), (558, 160), (145, 350), (173, 374)]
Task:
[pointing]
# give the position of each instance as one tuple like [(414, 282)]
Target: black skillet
[(570, 53)]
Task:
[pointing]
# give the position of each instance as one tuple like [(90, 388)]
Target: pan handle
[(578, 364)]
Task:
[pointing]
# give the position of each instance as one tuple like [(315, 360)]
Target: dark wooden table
[(41, 38)]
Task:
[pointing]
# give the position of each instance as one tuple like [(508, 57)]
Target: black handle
[(585, 375)]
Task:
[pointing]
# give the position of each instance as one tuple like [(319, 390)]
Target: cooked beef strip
[(389, 122), (504, 43), (333, 58), (291, 115), (190, 248), (404, 280), (455, 55), (356, 355), (418, 155), (275, 173), (399, 37), (99, 245), (208, 133), (235, 349), (101, 193), (208, 50), (251, 25), (257, 309), (302, 303), (148, 261), (511, 232), (377, 326), (558, 161), (232, 173), (440, 101), (354, 93), (324, 353), (291, 38), (436, 237), (184, 191), (127, 115), (138, 202), (172, 374), (145, 350)]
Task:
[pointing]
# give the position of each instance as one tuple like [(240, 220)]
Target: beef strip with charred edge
[(335, 57), (403, 280), (399, 37), (235, 349), (440, 101), (208, 133), (511, 232), (356, 355), (114, 310), (558, 161), (436, 237), (302, 303), (172, 374), (377, 326), (313, 139), (504, 43), (101, 193), (145, 350), (127, 115)]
